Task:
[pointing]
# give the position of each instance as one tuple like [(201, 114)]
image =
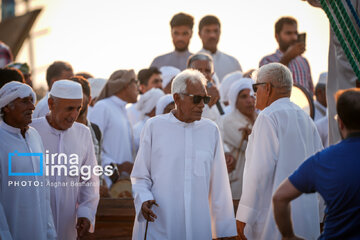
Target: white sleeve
[(221, 205), (141, 173), (261, 154), (89, 191)]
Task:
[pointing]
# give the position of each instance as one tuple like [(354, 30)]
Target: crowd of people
[(192, 133)]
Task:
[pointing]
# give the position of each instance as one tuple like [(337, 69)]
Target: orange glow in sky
[(102, 36)]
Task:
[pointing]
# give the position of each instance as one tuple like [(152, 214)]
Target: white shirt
[(70, 202), (282, 138), (223, 63), (24, 210), (42, 107), (111, 117), (182, 166), (137, 131), (233, 137), (322, 126), (320, 111), (133, 114)]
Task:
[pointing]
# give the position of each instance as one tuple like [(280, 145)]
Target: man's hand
[(125, 167), (230, 162), (292, 52), (146, 210), (240, 229), (246, 131), (82, 227), (213, 92)]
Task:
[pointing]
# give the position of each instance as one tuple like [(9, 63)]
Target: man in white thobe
[(320, 97), (109, 113), (56, 71), (24, 210), (282, 138), (209, 33), (237, 126), (180, 171), (74, 201)]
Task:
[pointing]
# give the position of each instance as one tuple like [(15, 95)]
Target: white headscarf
[(168, 73), (323, 78), (13, 90), (96, 85), (225, 85), (163, 102), (148, 100), (237, 87)]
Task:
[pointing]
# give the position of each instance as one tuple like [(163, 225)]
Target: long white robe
[(232, 138), (118, 141), (24, 210), (72, 201), (283, 137), (182, 166)]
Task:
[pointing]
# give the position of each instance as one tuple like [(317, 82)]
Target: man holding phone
[(291, 47)]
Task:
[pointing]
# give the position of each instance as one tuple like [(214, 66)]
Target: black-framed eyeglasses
[(197, 98), (255, 85)]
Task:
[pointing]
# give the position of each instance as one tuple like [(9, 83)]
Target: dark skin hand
[(147, 212), (82, 227), (240, 229), (213, 92), (125, 167), (292, 52), (246, 131), (230, 162)]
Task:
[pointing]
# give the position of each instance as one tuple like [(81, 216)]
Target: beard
[(285, 45), (181, 47)]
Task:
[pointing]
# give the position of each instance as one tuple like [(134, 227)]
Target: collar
[(52, 129), (278, 52), (280, 100), (173, 119), (9, 128), (183, 53), (118, 101), (210, 53)]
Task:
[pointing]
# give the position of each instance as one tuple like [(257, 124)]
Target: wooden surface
[(115, 219)]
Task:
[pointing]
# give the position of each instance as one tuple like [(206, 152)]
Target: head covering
[(168, 73), (66, 89), (237, 87), (148, 100), (323, 78), (117, 81), (162, 103), (23, 67), (13, 90), (228, 80), (96, 85)]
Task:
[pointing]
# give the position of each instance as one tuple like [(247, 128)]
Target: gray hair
[(181, 80), (277, 74), (200, 56)]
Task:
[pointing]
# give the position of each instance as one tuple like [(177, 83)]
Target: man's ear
[(177, 98), (51, 103), (340, 123)]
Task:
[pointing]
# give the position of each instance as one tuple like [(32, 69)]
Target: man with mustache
[(289, 53), (209, 32), (181, 32)]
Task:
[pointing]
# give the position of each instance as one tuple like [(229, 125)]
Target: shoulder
[(36, 122), (228, 57), (161, 57), (208, 124)]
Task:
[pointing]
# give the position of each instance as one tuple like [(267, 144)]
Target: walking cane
[(147, 223)]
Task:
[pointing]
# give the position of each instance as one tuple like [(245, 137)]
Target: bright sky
[(103, 36)]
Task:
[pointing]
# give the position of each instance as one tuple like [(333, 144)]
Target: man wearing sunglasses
[(283, 136), (179, 180)]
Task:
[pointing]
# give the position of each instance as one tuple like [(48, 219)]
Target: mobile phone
[(302, 37)]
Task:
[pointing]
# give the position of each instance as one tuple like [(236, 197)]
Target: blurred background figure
[(24, 69), (168, 73), (6, 56), (165, 104)]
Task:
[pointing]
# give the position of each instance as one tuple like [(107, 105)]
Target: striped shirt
[(299, 67)]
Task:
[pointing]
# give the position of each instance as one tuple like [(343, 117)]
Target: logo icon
[(17, 154)]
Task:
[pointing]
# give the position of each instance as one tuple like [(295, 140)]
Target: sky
[(100, 37)]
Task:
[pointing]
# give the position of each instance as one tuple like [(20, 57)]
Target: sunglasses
[(197, 98), (255, 86)]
